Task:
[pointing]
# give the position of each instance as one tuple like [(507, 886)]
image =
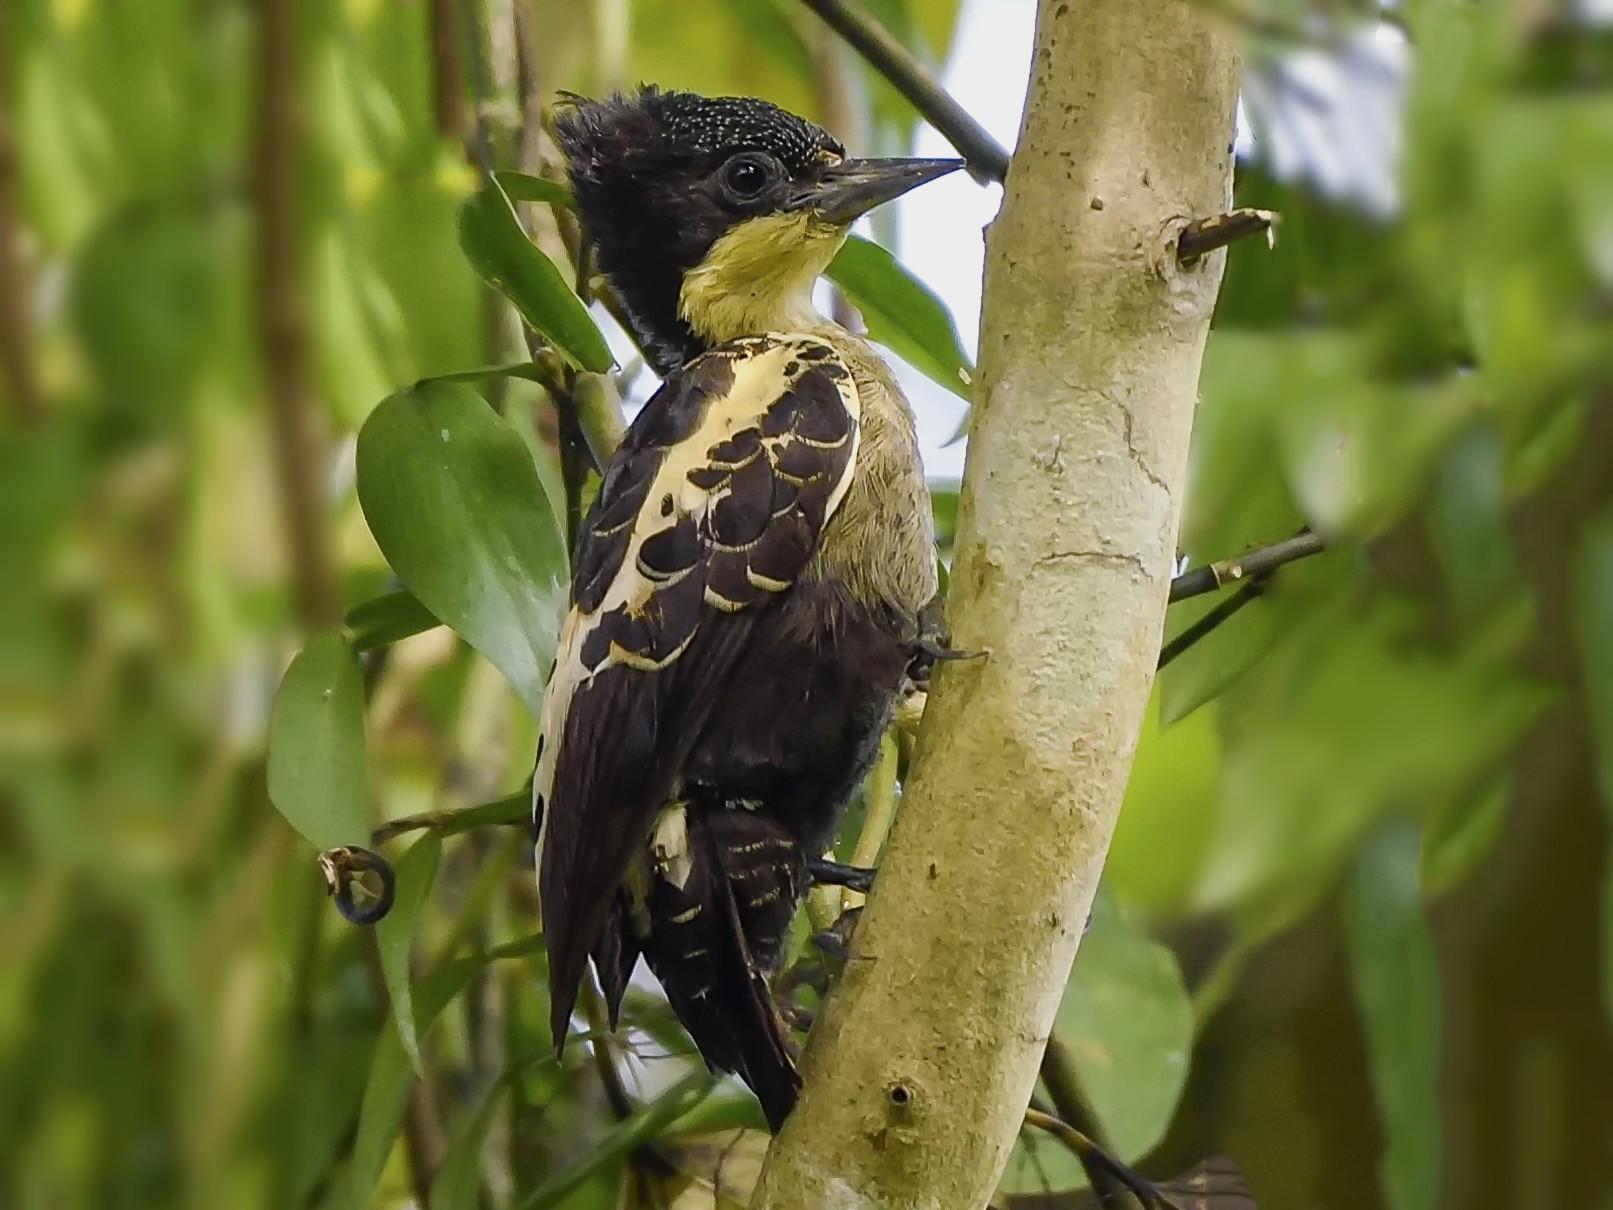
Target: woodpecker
[(748, 585)]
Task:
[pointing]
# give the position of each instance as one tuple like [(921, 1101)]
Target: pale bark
[(920, 1067)]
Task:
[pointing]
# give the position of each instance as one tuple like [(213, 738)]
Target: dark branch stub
[(361, 882), (1207, 234), (1263, 561), (1252, 573)]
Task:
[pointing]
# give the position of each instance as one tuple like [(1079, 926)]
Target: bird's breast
[(881, 542)]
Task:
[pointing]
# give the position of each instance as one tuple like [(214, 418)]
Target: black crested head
[(661, 176)]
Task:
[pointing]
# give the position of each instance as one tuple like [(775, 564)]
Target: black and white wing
[(711, 508)]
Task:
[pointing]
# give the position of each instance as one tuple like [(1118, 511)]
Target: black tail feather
[(698, 950), (615, 955)]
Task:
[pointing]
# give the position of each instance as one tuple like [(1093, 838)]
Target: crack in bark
[(1113, 558), (1127, 422)]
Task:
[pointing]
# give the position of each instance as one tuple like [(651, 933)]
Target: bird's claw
[(824, 872), (933, 644)]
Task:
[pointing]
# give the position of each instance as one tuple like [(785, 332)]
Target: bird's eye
[(747, 176)]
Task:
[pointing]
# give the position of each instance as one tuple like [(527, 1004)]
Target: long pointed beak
[(852, 188)]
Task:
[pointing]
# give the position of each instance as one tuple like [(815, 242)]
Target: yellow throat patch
[(759, 276)]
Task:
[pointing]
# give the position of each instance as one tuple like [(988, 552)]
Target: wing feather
[(711, 509)]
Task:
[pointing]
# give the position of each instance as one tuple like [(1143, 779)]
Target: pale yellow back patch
[(759, 378)]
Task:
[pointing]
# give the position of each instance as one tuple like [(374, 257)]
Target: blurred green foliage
[(1358, 906)]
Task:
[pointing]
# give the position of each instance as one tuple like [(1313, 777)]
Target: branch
[(1264, 561), (282, 336), (1207, 234), (920, 1065), (986, 157), (447, 69)]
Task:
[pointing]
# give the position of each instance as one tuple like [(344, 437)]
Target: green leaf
[(1455, 839), (524, 187), (317, 776), (903, 313), (454, 501), (387, 1090), (1204, 670), (1395, 969), (1128, 1026), (625, 1137), (388, 618), (497, 248), (394, 933), (516, 369)]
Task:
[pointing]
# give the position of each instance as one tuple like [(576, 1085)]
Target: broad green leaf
[(454, 501), (903, 313), (317, 775), (1205, 669), (387, 1090), (500, 251), (388, 618), (524, 187), (622, 1139), (1347, 716), (394, 933), (1467, 524), (1456, 838), (1128, 1026), (1395, 970)]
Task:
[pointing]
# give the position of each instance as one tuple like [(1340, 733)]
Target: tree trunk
[(922, 1062)]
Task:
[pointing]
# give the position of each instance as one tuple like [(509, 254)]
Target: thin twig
[(1200, 580), (985, 156), (1202, 628), (599, 416), (1207, 234), (610, 1076), (16, 359), (1069, 1099)]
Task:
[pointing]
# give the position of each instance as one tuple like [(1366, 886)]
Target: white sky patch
[(1333, 119)]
